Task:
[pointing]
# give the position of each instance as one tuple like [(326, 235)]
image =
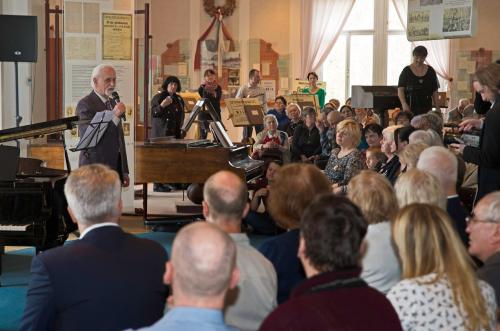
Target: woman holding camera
[(487, 155)]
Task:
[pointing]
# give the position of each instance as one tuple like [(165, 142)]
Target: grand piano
[(169, 160), (33, 209)]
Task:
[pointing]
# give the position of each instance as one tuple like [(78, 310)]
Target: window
[(351, 61)]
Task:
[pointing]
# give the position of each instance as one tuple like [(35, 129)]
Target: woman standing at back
[(312, 78), (439, 290)]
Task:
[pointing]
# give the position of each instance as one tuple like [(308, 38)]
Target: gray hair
[(429, 137), (492, 209), (273, 117), (431, 120), (93, 193), (204, 258), (419, 186), (440, 162), (96, 72)]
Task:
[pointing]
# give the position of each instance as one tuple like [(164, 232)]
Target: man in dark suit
[(106, 280), (443, 164), (111, 148)]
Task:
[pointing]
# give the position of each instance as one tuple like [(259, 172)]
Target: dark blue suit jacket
[(111, 148), (109, 280)]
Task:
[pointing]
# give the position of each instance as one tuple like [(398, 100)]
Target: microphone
[(116, 98)]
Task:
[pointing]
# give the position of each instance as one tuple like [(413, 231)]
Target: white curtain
[(322, 22), (439, 50)]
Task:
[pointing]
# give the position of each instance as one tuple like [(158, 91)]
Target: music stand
[(201, 105), (95, 131)]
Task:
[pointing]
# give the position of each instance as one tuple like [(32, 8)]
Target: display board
[(441, 19), (304, 100), (244, 112)]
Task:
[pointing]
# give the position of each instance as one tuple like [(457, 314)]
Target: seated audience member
[(202, 270), (391, 168), (443, 164), (428, 137), (364, 117), (106, 280), (345, 162), (439, 290), (225, 203), (462, 111), (373, 134), (404, 118), (419, 186), (375, 196), (261, 222), (428, 120), (484, 233), (271, 142), (333, 297), (402, 137), (335, 103), (306, 146), (409, 156), (327, 136), (279, 111), (347, 112), (375, 158), (291, 191), (293, 112)]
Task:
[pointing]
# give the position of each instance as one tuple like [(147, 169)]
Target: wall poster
[(441, 19), (116, 36)]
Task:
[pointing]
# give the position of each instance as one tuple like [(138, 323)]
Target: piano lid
[(38, 129)]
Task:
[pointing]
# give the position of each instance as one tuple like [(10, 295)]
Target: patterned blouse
[(431, 307), (341, 170)]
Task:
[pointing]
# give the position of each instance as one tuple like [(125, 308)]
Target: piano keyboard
[(14, 227)]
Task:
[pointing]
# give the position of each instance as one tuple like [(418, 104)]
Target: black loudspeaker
[(18, 38)]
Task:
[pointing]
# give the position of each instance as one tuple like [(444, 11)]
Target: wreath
[(226, 10)]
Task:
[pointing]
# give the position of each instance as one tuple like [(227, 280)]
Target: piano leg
[(145, 201)]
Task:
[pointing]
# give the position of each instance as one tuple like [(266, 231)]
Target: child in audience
[(375, 158)]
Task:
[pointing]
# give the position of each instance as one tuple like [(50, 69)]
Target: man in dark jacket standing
[(110, 149)]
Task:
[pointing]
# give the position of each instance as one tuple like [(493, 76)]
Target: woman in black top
[(418, 84), (306, 146), (167, 109), (213, 92)]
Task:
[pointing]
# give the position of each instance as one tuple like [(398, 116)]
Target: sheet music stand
[(95, 131), (201, 105)]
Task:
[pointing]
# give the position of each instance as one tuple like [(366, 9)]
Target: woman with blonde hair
[(345, 162), (439, 290), (410, 154), (375, 196), (417, 185)]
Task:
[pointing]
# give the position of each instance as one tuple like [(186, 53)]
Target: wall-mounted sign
[(116, 36), (441, 19)]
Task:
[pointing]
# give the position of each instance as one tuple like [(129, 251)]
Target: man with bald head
[(225, 204), (443, 164), (202, 269), (484, 238)]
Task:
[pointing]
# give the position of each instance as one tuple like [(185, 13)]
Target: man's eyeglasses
[(473, 219)]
